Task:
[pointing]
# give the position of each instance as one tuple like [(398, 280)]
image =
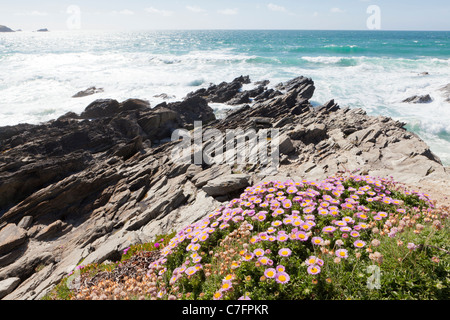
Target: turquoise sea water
[(374, 70)]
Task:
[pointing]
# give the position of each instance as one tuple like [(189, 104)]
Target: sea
[(372, 70)]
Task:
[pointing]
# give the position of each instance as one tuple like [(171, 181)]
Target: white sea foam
[(37, 84)]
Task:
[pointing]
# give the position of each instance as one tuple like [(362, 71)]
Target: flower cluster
[(259, 238)]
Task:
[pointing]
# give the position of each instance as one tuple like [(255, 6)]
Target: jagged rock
[(314, 133), (164, 96), (225, 185), (419, 99), (240, 98), (69, 116), (329, 106), (202, 178), (129, 149), (94, 184), (88, 92), (112, 248), (11, 236), (100, 108), (50, 231), (223, 92), (193, 170), (191, 109), (7, 286), (25, 223), (286, 146), (446, 92)]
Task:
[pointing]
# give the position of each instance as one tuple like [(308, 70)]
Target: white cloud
[(229, 11), (195, 9), (34, 13), (337, 10), (164, 13), (274, 7), (125, 12)]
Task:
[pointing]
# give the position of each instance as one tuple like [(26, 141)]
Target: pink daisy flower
[(359, 244), (261, 216), (302, 236), (342, 253), (248, 256), (258, 252), (271, 230), (218, 295), (329, 229), (287, 204), (313, 269), (312, 260), (285, 252), (276, 223), (270, 273), (264, 260), (226, 286), (280, 268), (282, 277), (317, 241), (354, 234)]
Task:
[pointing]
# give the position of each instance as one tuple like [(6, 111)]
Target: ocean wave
[(338, 61), (344, 49), (196, 83)]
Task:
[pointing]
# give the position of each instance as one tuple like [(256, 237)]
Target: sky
[(30, 15)]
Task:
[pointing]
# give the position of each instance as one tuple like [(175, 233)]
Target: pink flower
[(270, 273), (285, 252), (317, 241), (354, 234), (313, 269), (342, 253), (287, 204), (282, 277), (280, 268), (359, 244)]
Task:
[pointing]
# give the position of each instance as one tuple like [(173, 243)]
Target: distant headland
[(7, 29)]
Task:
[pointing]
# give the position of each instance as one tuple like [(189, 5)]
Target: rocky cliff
[(85, 187)]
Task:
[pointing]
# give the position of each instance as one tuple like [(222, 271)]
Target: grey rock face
[(88, 92), (7, 286), (419, 99), (225, 185), (11, 237), (88, 186)]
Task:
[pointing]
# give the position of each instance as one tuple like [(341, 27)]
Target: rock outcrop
[(419, 99), (446, 92), (85, 187), (89, 91)]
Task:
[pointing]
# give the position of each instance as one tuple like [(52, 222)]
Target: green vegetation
[(352, 237)]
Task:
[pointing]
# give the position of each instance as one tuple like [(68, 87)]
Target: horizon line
[(227, 29)]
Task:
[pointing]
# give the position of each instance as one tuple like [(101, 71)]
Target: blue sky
[(231, 14)]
